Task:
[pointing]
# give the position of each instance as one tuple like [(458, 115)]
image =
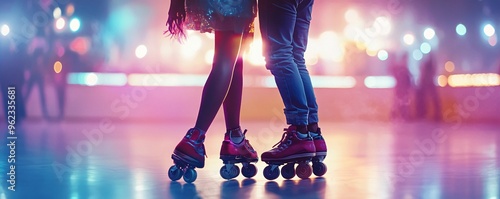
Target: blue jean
[(284, 26)]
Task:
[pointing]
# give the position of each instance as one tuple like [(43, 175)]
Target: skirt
[(220, 15)]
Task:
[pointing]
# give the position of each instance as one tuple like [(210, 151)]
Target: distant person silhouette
[(64, 60), (427, 94), (402, 90), (12, 62), (37, 66)]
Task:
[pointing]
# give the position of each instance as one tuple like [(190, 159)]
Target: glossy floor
[(107, 159)]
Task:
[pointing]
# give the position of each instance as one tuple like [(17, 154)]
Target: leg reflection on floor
[(365, 160)]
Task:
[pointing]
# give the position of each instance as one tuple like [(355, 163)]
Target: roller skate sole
[(182, 160), (290, 159), (234, 159), (230, 170)]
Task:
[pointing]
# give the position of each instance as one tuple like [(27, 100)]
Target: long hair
[(176, 18)]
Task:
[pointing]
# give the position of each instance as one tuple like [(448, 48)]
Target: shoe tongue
[(197, 136)]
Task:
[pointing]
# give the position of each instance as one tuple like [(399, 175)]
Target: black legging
[(224, 84)]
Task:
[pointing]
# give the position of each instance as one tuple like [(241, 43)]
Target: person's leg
[(420, 103), (191, 148), (43, 103), (436, 104), (61, 96), (277, 21), (232, 103), (300, 38), (227, 47), (29, 86)]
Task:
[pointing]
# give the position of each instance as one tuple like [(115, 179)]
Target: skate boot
[(290, 150), (319, 168), (188, 155), (232, 153)]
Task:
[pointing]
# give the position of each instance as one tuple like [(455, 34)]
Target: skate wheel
[(190, 175), (271, 174), (288, 171), (304, 170), (233, 172), (174, 173), (319, 168), (249, 171)]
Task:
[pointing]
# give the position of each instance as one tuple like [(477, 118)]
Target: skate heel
[(188, 155), (232, 153), (319, 168)]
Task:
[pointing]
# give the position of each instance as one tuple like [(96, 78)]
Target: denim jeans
[(284, 26)]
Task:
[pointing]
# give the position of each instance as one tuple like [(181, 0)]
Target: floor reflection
[(365, 160), (305, 188)]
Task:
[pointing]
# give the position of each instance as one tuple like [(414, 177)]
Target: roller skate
[(232, 153), (289, 151), (319, 168), (188, 155)]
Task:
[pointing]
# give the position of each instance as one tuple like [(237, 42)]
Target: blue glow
[(425, 48), (382, 55), (417, 55), (98, 79), (461, 29)]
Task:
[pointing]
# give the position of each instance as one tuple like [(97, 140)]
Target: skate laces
[(199, 141), (285, 140), (244, 141), (247, 142)]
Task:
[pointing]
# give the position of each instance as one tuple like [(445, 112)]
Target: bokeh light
[(417, 55), (461, 29), (449, 66), (409, 39), (442, 80), (190, 48), (425, 48), (254, 55), (382, 55), (380, 82), (475, 80), (141, 51), (209, 57), (57, 13), (351, 16), (489, 30), (493, 40), (91, 79), (5, 30), (429, 33), (313, 52), (80, 45), (371, 52), (60, 23), (70, 9), (74, 24), (58, 67), (384, 24), (330, 47)]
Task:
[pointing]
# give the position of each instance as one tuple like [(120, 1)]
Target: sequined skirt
[(220, 15)]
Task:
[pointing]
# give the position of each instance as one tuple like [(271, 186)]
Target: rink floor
[(113, 159)]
